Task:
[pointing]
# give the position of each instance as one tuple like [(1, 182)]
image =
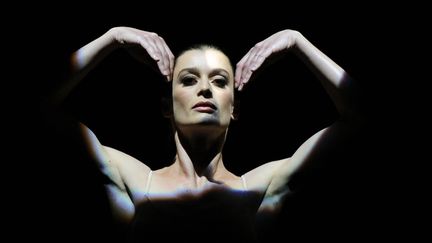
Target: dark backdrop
[(63, 193)]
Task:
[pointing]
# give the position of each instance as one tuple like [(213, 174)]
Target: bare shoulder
[(120, 157), (259, 178), (131, 169)]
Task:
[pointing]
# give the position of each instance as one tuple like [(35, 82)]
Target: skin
[(206, 75)]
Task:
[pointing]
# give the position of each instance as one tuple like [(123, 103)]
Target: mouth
[(204, 106)]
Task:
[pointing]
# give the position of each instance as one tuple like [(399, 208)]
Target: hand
[(276, 43), (147, 47)]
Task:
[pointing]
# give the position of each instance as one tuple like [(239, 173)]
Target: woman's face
[(203, 89)]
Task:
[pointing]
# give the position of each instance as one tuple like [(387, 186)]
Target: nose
[(205, 89)]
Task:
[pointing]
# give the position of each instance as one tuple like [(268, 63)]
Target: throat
[(199, 155), (195, 167)]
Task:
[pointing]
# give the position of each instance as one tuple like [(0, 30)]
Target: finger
[(164, 61), (246, 63), (247, 71), (241, 65), (238, 71), (170, 60), (149, 47), (257, 61), (241, 87), (172, 63), (154, 39)]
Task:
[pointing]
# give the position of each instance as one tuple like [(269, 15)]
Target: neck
[(199, 155)]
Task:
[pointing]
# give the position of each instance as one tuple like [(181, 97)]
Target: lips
[(204, 106)]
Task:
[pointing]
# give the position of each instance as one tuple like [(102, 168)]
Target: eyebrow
[(213, 72)]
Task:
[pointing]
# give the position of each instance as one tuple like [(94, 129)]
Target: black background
[(348, 198)]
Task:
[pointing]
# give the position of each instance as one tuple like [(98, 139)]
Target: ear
[(235, 113), (166, 107)]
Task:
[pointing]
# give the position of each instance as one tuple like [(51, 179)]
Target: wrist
[(111, 37), (299, 39)]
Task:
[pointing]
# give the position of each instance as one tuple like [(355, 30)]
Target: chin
[(209, 120)]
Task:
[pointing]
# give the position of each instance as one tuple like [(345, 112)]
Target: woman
[(196, 195)]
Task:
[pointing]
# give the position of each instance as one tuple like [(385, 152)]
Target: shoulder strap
[(149, 177), (244, 182)]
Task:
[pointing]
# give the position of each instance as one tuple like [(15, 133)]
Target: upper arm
[(108, 164), (101, 156), (259, 178), (122, 170), (278, 175), (309, 155), (272, 178), (306, 151)]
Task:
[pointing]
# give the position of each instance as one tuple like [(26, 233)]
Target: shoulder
[(260, 178), (122, 159), (119, 155), (130, 168)]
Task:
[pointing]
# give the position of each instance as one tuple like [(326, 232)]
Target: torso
[(164, 207), (201, 211)]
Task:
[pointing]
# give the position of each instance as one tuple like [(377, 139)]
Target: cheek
[(180, 102), (226, 101), (180, 97)]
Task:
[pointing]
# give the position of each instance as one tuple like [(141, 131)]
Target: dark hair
[(167, 86), (202, 47)]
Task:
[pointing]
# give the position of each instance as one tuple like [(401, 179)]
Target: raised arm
[(340, 87), (115, 166), (143, 45)]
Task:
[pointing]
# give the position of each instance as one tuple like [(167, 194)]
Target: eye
[(220, 82), (188, 81)]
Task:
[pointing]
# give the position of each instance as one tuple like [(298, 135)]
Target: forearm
[(81, 62), (339, 85)]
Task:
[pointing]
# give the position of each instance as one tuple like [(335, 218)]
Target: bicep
[(311, 154), (307, 151), (118, 195), (278, 188), (102, 158)]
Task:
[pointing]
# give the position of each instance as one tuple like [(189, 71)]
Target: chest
[(221, 210)]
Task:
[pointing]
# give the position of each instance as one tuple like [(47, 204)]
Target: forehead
[(207, 59)]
